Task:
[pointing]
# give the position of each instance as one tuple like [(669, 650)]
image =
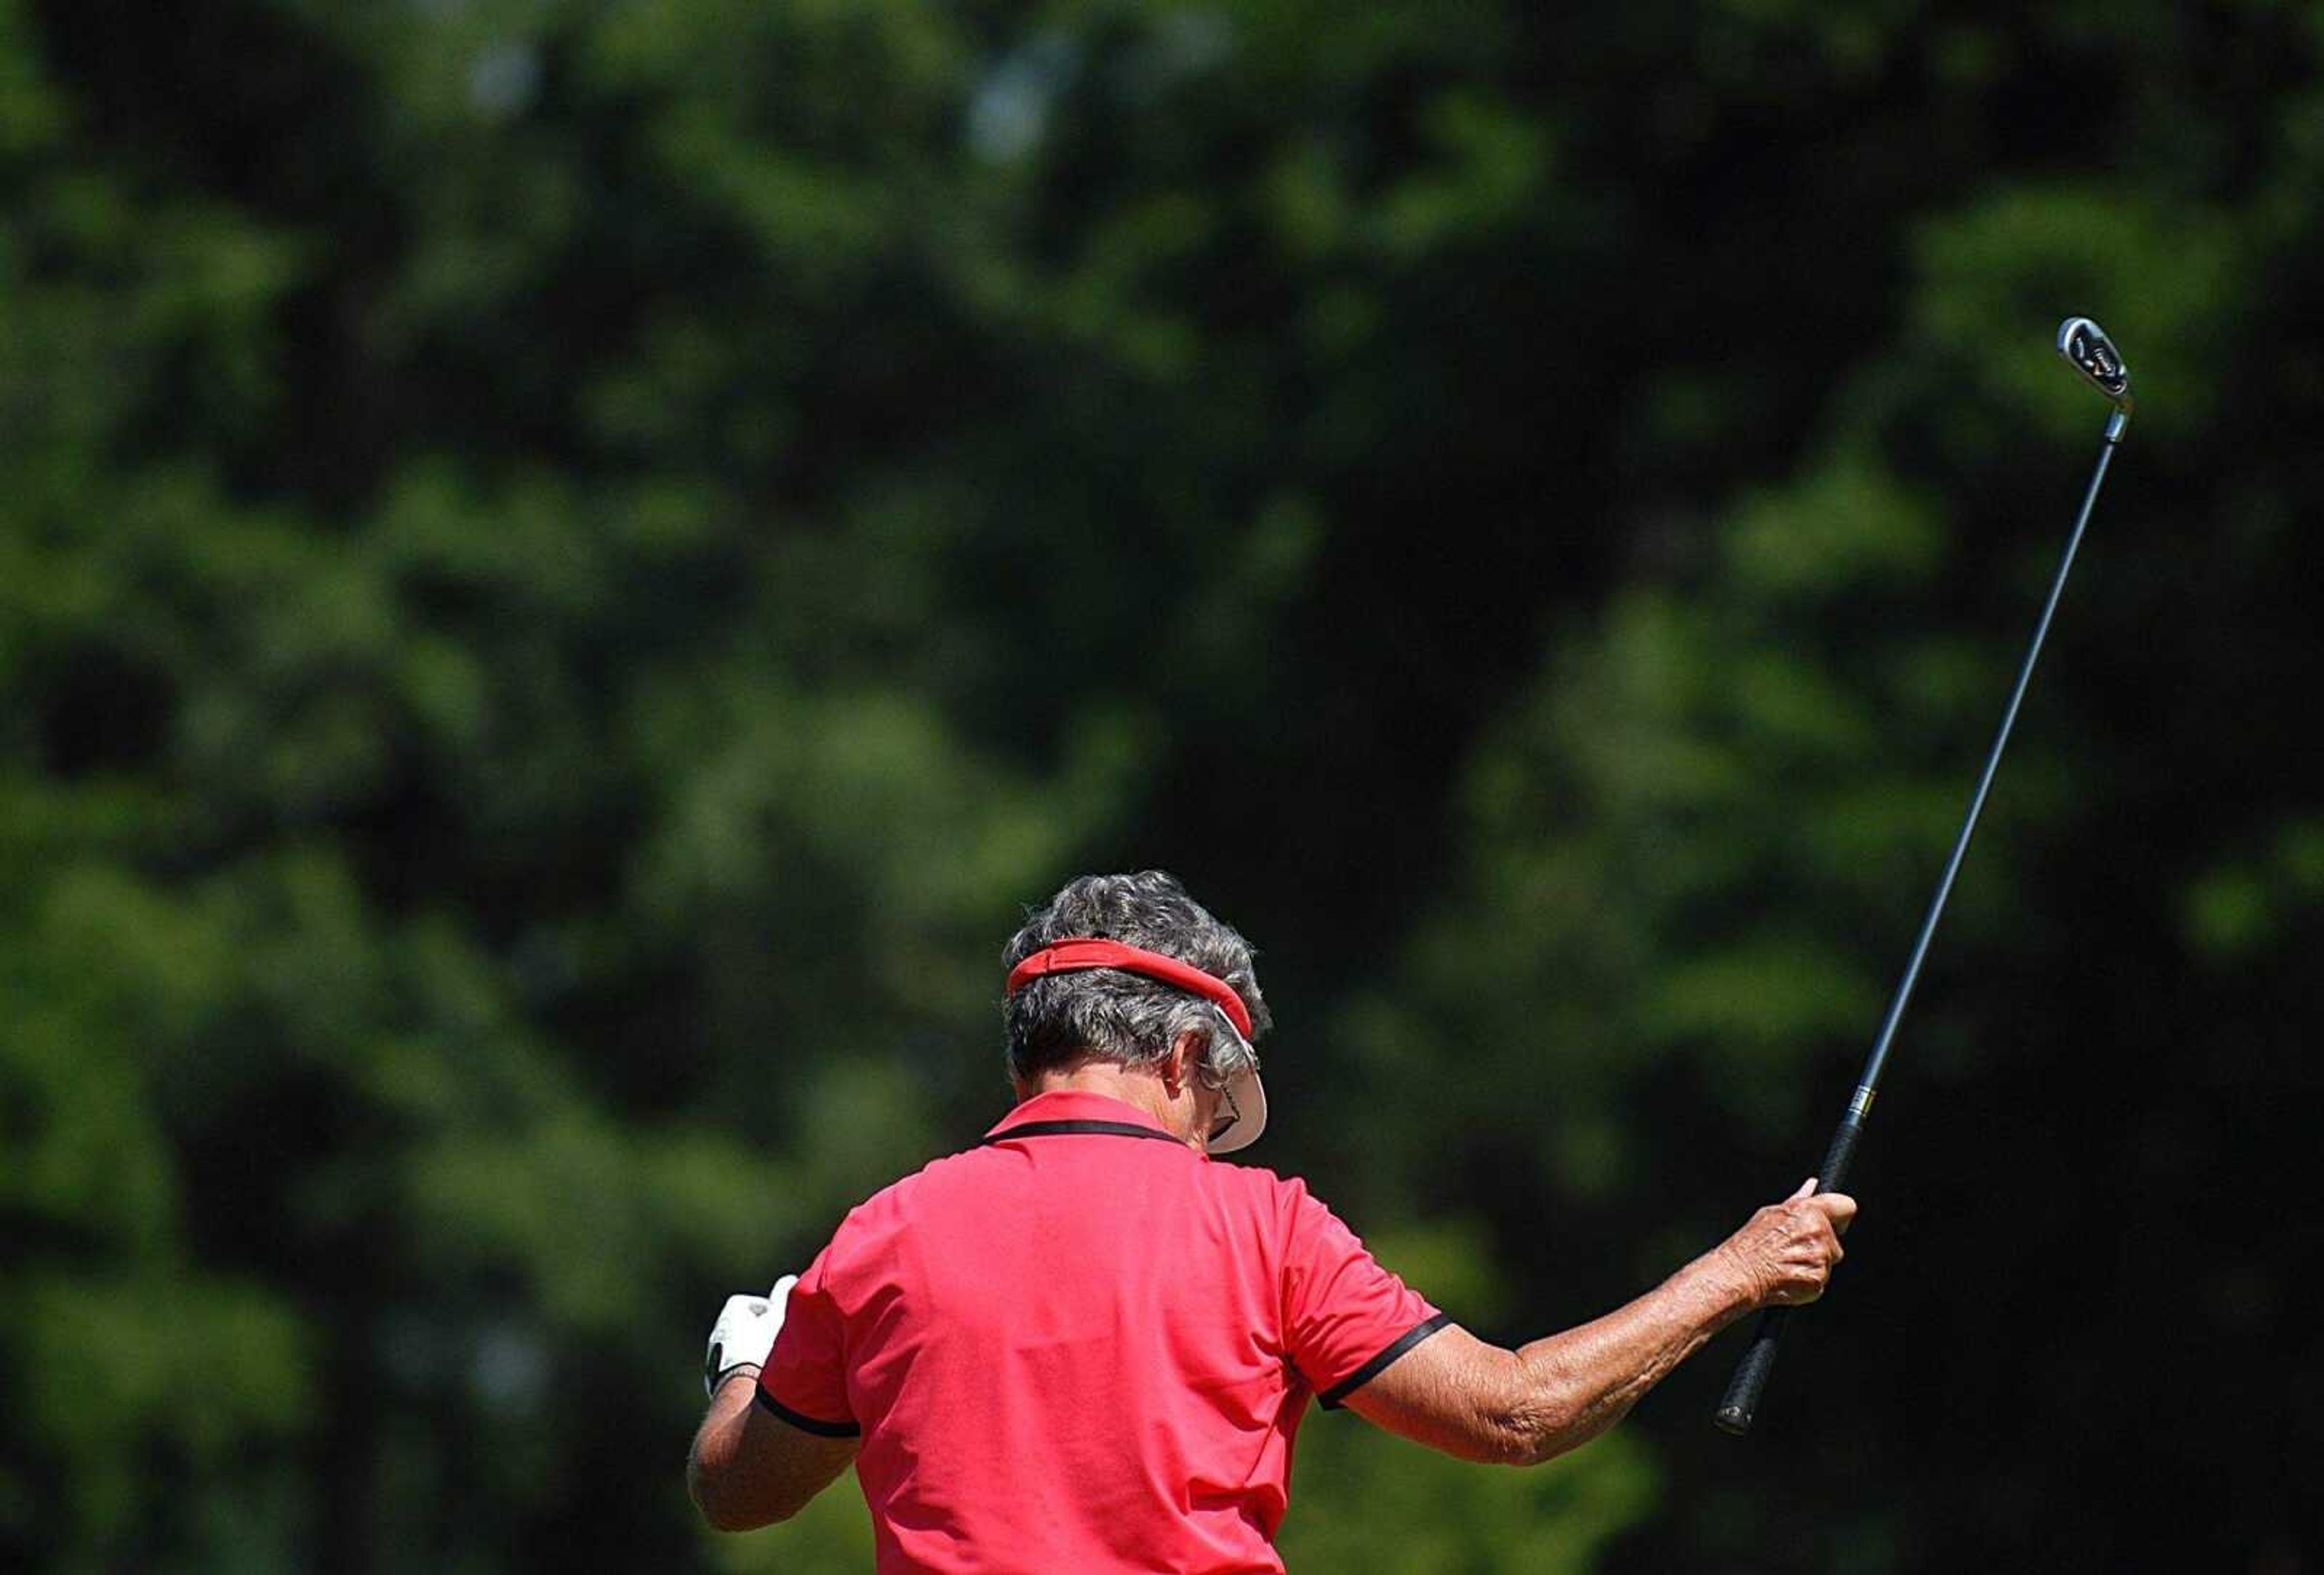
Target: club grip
[(1740, 1407), (1740, 1404), (1840, 1158)]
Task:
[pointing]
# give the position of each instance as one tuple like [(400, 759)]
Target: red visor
[(1079, 956)]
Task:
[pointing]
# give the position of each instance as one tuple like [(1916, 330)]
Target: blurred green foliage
[(565, 567)]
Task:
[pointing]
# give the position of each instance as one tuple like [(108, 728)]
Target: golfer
[(1082, 1345)]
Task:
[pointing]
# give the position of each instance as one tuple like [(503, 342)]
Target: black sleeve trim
[(809, 1423), (1332, 1398)]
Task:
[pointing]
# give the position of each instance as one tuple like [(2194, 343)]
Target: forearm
[(710, 1478), (1456, 1393), (1572, 1386), (748, 1469)]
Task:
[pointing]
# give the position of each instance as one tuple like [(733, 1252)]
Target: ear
[(1185, 1058)]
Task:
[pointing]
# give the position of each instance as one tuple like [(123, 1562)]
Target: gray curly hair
[(1060, 1019)]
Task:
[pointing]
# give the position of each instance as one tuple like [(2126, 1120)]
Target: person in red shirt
[(1082, 1345)]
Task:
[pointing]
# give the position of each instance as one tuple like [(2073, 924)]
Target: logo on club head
[(2084, 343)]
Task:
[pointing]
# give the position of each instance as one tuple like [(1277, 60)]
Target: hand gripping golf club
[(2089, 351)]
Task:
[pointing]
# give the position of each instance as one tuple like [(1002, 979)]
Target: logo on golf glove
[(745, 1333)]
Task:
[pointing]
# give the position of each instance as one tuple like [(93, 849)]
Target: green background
[(568, 568)]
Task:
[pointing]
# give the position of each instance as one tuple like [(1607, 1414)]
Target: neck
[(1138, 1086)]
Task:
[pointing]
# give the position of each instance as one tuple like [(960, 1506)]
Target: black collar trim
[(1075, 1129)]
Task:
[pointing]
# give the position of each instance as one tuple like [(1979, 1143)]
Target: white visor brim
[(1249, 1097)]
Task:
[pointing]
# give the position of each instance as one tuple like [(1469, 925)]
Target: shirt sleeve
[(805, 1380), (1345, 1317)]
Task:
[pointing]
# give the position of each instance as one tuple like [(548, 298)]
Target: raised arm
[(1480, 1402)]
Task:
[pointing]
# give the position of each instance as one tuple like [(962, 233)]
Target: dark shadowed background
[(568, 567)]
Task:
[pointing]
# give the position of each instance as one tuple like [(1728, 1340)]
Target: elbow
[(1533, 1434), (722, 1515), (715, 1515), (708, 1504), (723, 1510), (730, 1519), (1540, 1452), (1538, 1448)]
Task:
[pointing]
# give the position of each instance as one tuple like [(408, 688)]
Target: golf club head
[(2087, 349)]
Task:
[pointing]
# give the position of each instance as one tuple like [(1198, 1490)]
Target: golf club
[(2089, 351)]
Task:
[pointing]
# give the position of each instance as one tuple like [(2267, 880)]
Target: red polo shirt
[(1082, 1346)]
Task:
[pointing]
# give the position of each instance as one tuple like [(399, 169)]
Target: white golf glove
[(745, 1332)]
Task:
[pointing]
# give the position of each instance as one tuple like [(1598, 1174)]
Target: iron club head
[(2087, 349)]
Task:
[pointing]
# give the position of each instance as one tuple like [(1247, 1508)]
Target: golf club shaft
[(1740, 1404)]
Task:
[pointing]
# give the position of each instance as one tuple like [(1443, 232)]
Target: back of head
[(1061, 1020)]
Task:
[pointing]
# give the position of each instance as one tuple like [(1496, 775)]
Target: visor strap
[(1080, 956)]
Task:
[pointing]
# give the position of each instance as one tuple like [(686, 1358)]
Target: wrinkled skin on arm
[(750, 1469), (1458, 1393)]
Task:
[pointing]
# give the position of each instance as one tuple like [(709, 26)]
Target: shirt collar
[(1078, 1105)]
